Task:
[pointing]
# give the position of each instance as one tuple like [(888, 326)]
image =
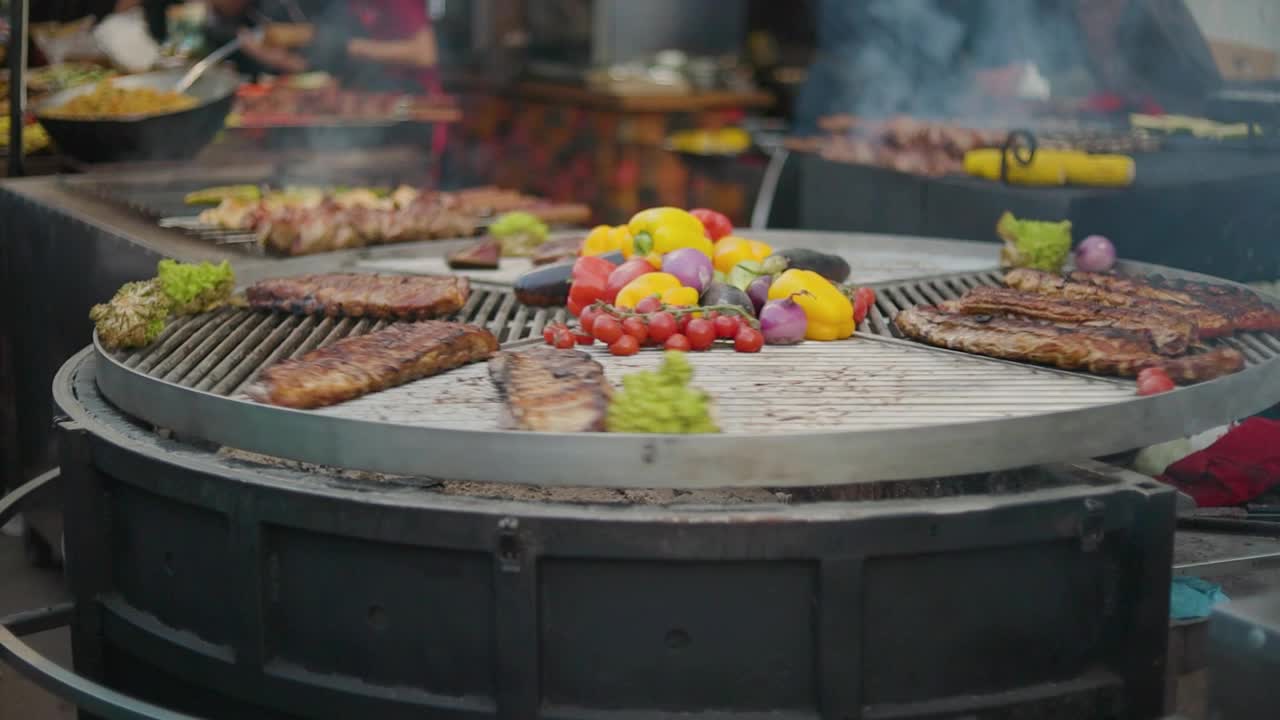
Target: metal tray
[(872, 408)]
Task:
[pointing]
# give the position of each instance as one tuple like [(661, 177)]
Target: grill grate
[(222, 351), (892, 297)]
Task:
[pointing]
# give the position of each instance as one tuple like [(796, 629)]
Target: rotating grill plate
[(873, 408)]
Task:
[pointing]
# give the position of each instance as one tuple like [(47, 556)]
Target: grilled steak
[(1171, 334), (357, 366), (484, 255), (403, 297), (551, 390), (1209, 323), (553, 251), (1247, 311), (1105, 351)]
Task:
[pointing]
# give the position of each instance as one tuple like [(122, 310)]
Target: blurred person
[(386, 45)]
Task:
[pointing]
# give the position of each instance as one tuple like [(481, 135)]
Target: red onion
[(783, 322), (758, 291), (692, 266), (1095, 254)]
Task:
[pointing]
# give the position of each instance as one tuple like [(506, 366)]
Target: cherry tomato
[(748, 340), (583, 338), (588, 318), (701, 333), (662, 325), (607, 329), (649, 305), (1154, 381), (624, 274), (677, 342), (716, 224), (726, 326), (636, 328), (864, 298), (625, 345), (564, 340), (549, 334)]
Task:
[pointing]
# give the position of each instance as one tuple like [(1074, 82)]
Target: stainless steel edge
[(703, 461)]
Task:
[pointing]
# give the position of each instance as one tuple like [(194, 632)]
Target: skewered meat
[(403, 297), (1104, 351), (551, 390), (1171, 334), (357, 366), (1247, 311), (1209, 323)]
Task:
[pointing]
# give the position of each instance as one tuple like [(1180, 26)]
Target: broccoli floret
[(134, 317), (1034, 244), (196, 288), (519, 233), (661, 402)]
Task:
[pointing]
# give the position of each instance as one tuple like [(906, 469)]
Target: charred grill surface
[(1104, 351), (1247, 311), (401, 297), (1171, 334), (551, 390), (1209, 323), (357, 366)]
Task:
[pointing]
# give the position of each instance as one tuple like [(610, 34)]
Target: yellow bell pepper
[(658, 231), (732, 250), (685, 296), (604, 239), (647, 286), (829, 312)]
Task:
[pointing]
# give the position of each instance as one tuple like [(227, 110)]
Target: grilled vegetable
[(831, 267), (828, 311), (661, 402), (664, 285), (215, 195), (605, 239), (544, 286), (1034, 244), (519, 233), (732, 250), (196, 287), (134, 317), (723, 294), (657, 231)]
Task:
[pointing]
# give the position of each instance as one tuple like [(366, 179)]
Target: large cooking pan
[(167, 136)]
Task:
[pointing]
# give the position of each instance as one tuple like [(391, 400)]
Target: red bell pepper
[(716, 224), (590, 280)]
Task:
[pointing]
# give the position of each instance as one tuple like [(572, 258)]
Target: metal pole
[(17, 83)]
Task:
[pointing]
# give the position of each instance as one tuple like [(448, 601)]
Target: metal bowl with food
[(149, 124)]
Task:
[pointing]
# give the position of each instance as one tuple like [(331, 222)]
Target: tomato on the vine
[(607, 329), (564, 340), (649, 305), (636, 328), (662, 325), (587, 319), (864, 298), (748, 340), (726, 326), (625, 345), (677, 342), (701, 333), (583, 338)]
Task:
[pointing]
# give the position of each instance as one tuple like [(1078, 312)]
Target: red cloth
[(1237, 468)]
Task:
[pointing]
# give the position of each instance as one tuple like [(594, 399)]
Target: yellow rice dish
[(108, 100)]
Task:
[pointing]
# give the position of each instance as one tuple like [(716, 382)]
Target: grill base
[(231, 587)]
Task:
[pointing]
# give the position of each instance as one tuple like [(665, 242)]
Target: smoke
[(919, 57)]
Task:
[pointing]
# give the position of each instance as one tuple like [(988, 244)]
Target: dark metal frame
[(17, 83)]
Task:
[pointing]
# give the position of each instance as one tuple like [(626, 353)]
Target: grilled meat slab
[(1209, 323), (1104, 351), (403, 297), (356, 366), (1247, 311), (551, 390), (1171, 334)]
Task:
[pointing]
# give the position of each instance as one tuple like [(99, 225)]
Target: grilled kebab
[(401, 297), (1104, 351), (356, 366), (551, 390), (1171, 334)]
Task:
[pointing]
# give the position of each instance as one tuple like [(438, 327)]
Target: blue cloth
[(1191, 598)]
